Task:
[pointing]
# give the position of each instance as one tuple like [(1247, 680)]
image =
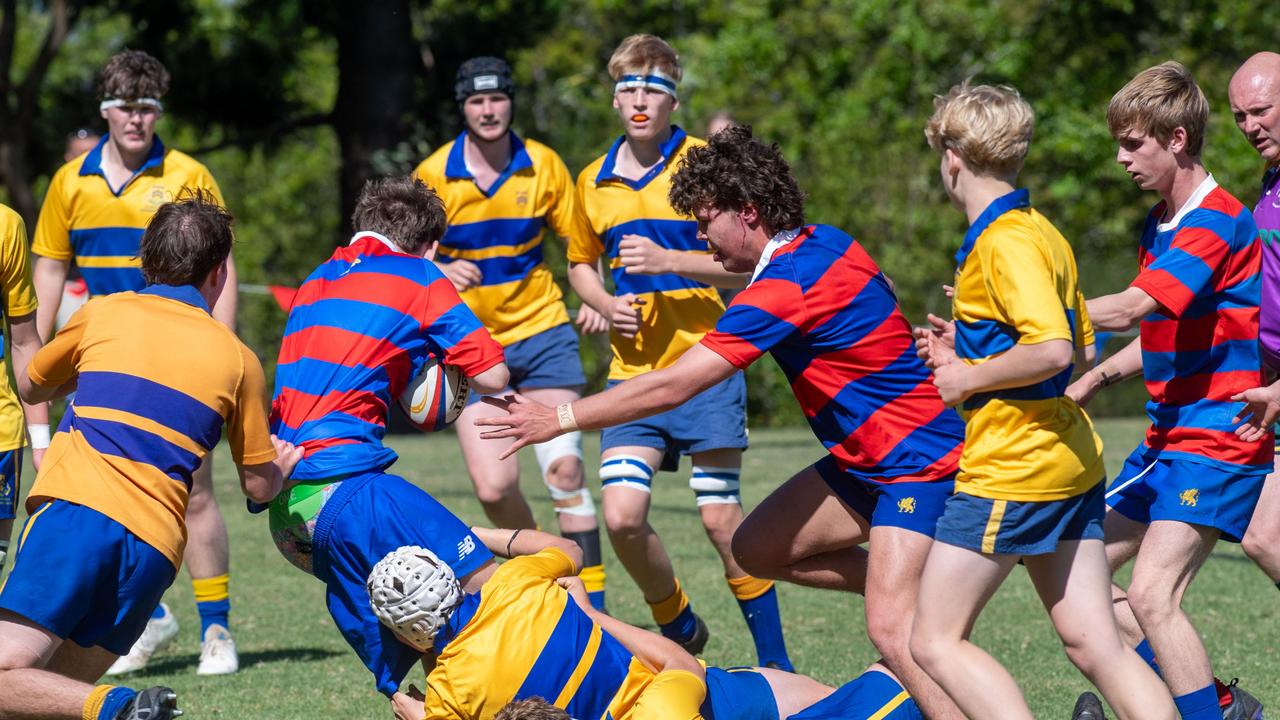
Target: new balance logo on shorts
[(466, 547)]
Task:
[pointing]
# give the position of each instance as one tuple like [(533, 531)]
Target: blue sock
[(873, 694), (212, 601), (115, 701), (1199, 705), (1148, 655), (158, 612), (213, 613), (763, 620), (682, 628)]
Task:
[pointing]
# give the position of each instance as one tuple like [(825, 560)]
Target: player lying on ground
[(822, 307), (362, 325), (156, 379), (664, 300), (505, 196), (1195, 301), (523, 635), (1030, 482)]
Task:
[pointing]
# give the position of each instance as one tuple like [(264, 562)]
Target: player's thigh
[(86, 664), (1074, 584), (1123, 538), (23, 643), (895, 562), (1172, 553), (1263, 535), (802, 518), (626, 503), (955, 585), (793, 692), (481, 455)]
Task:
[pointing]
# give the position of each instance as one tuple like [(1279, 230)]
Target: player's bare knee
[(624, 523), (494, 492), (1262, 543), (1152, 604), (927, 650), (890, 632), (755, 554)]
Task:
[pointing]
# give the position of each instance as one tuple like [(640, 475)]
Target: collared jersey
[(84, 219), (826, 313), (1201, 346), (361, 325), (528, 638), (502, 230), (19, 298), (1017, 284), (1267, 216), (157, 378), (676, 311)]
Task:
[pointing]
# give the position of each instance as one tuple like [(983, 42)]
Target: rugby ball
[(435, 396)]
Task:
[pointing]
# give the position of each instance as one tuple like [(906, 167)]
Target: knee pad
[(715, 485), (626, 471), (566, 445), (572, 502)]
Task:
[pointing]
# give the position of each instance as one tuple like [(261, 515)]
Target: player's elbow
[(1057, 355), (493, 380), (572, 549), (261, 483)]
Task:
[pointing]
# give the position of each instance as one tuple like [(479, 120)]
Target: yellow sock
[(211, 589), (747, 587), (93, 703), (666, 611), (593, 577)]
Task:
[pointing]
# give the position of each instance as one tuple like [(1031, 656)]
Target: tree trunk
[(379, 68)]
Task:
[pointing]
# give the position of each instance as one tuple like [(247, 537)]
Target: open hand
[(463, 274), (590, 322), (936, 344), (642, 256), (527, 422), (625, 316), (1262, 406)]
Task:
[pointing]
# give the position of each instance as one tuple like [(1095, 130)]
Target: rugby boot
[(1243, 705), (158, 634), (1088, 707), (154, 703)]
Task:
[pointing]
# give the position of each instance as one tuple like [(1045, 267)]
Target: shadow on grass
[(180, 663)]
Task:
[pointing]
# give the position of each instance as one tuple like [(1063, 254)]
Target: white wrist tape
[(39, 436)]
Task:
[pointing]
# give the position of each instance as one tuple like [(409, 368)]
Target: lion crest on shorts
[(907, 505), (1189, 497)]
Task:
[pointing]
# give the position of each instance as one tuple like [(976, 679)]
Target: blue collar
[(181, 293), (458, 620), (669, 148), (92, 164), (1019, 198), (1269, 177), (456, 166)]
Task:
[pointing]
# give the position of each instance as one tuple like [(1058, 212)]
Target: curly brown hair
[(735, 169), (534, 708), (186, 239), (403, 209), (132, 74)]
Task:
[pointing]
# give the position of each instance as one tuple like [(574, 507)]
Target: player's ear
[(429, 252), (954, 162), (750, 214), (1177, 140)]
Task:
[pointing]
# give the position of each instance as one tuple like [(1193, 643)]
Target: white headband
[(652, 79), (118, 102)]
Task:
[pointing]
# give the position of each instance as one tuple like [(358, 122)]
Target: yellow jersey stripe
[(993, 526), (492, 252), (890, 706), (580, 673), (108, 261), (141, 423)]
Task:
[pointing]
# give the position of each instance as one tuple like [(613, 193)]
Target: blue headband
[(653, 80)]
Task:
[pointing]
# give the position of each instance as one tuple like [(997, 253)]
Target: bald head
[(1255, 102)]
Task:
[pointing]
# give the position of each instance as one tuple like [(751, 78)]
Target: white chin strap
[(120, 102), (652, 79)]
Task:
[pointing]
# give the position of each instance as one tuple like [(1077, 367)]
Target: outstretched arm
[(528, 422), (1121, 311), (642, 256), (650, 648), (514, 543)]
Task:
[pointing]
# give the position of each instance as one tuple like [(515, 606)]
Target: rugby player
[(1193, 480), (1030, 481), (523, 637), (820, 305), (362, 325), (663, 303), (503, 195), (94, 212), (156, 379)]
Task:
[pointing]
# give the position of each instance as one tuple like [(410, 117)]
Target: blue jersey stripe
[(318, 377), (126, 441), (502, 270), (1226, 356), (559, 656), (1203, 414), (607, 673), (147, 398), (641, 284), (983, 338), (492, 233), (672, 234), (106, 281), (106, 241), (744, 321)]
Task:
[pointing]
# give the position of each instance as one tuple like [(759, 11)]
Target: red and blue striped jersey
[(361, 326), (1201, 346), (826, 313)]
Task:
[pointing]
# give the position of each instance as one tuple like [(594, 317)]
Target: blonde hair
[(1159, 100), (988, 126), (638, 53)]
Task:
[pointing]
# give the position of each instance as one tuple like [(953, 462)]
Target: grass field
[(295, 665)]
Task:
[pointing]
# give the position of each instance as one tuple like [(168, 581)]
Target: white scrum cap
[(413, 592)]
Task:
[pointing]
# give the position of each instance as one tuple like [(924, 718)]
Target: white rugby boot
[(159, 633), (218, 653)]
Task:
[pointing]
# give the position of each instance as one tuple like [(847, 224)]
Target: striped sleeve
[(759, 318), (55, 363), (1190, 267), (19, 296), (455, 329)]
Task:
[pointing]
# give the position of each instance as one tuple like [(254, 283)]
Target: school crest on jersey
[(154, 198)]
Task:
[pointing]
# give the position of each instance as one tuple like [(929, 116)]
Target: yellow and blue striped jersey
[(677, 311), (85, 219), (524, 637), (19, 298), (157, 378), (502, 230), (1017, 284)]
